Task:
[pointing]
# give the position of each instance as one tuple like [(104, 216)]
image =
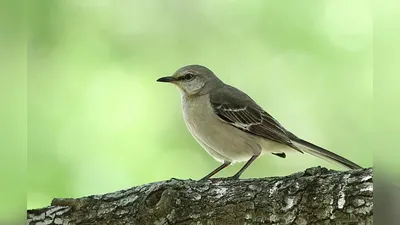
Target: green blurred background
[(98, 122)]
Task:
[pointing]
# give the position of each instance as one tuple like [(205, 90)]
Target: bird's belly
[(221, 140)]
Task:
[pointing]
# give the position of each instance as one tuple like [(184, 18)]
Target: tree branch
[(315, 196)]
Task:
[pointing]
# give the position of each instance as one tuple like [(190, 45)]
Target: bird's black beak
[(166, 79)]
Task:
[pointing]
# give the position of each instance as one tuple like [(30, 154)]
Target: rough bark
[(315, 196)]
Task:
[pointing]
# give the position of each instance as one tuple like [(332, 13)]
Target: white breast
[(221, 140)]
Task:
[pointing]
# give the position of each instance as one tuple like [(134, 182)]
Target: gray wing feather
[(238, 109)]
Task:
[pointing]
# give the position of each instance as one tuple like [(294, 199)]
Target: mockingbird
[(231, 126)]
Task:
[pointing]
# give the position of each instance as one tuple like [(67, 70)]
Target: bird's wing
[(238, 109)]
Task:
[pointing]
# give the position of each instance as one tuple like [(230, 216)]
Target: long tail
[(322, 153)]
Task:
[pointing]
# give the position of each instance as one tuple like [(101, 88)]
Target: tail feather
[(322, 153)]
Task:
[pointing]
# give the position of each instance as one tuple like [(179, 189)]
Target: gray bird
[(231, 126)]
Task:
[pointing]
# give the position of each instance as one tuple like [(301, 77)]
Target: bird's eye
[(188, 76)]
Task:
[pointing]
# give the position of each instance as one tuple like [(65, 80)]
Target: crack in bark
[(315, 196)]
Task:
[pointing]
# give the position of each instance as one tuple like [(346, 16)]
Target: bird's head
[(193, 80)]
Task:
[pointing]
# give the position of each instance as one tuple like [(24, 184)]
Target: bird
[(231, 127)]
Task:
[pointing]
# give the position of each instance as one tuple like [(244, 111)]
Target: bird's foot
[(206, 178), (234, 177)]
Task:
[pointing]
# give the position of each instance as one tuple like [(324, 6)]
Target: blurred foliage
[(13, 130), (98, 121)]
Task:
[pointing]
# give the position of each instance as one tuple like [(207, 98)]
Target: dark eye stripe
[(186, 77)]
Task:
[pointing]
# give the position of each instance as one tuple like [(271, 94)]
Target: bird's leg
[(237, 175), (219, 168)]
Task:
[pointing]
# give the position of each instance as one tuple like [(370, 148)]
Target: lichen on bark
[(315, 196)]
